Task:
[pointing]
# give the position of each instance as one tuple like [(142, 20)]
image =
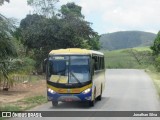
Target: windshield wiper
[(75, 78), (59, 79), (60, 75)]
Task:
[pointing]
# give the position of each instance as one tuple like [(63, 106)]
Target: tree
[(156, 45), (42, 34), (2, 1), (7, 48), (12, 59), (6, 29), (6, 44), (43, 7), (94, 42), (156, 51), (71, 10), (79, 32)]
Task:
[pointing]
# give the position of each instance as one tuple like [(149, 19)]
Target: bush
[(157, 63), (28, 65), (10, 67)]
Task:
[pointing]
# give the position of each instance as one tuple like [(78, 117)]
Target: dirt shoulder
[(23, 90)]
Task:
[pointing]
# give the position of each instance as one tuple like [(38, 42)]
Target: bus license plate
[(68, 99)]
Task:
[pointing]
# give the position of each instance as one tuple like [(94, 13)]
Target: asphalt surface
[(126, 90)]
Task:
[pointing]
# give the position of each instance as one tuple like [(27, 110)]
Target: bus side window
[(98, 62), (103, 65), (93, 66), (102, 62)]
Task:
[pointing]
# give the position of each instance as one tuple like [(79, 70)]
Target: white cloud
[(95, 6), (16, 8), (106, 15), (124, 14)]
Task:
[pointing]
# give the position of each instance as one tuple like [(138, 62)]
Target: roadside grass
[(124, 59), (156, 79), (29, 78), (24, 104), (33, 101), (10, 108), (146, 48), (119, 59)]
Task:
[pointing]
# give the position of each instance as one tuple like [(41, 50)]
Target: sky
[(107, 16)]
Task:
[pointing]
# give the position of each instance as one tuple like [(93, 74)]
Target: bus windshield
[(69, 69)]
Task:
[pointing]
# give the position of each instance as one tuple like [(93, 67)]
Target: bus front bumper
[(69, 97)]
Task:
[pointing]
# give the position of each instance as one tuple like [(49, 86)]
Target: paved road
[(126, 90)]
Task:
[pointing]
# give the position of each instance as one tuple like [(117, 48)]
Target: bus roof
[(74, 51)]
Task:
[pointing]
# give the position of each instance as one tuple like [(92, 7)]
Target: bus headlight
[(86, 91), (51, 91)]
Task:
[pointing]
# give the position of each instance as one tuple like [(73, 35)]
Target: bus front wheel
[(54, 103), (92, 102)]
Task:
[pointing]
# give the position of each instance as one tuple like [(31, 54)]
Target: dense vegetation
[(43, 32), (23, 49), (126, 39), (156, 51), (12, 57)]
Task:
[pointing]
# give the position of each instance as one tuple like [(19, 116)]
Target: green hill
[(126, 39)]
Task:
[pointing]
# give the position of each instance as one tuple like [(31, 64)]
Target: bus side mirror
[(45, 64), (46, 68)]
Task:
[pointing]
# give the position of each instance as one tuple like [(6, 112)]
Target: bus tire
[(54, 103), (100, 96), (92, 102)]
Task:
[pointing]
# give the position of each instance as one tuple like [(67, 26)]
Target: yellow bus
[(75, 74)]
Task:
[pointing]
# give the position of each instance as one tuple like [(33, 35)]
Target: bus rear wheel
[(100, 96), (54, 103)]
